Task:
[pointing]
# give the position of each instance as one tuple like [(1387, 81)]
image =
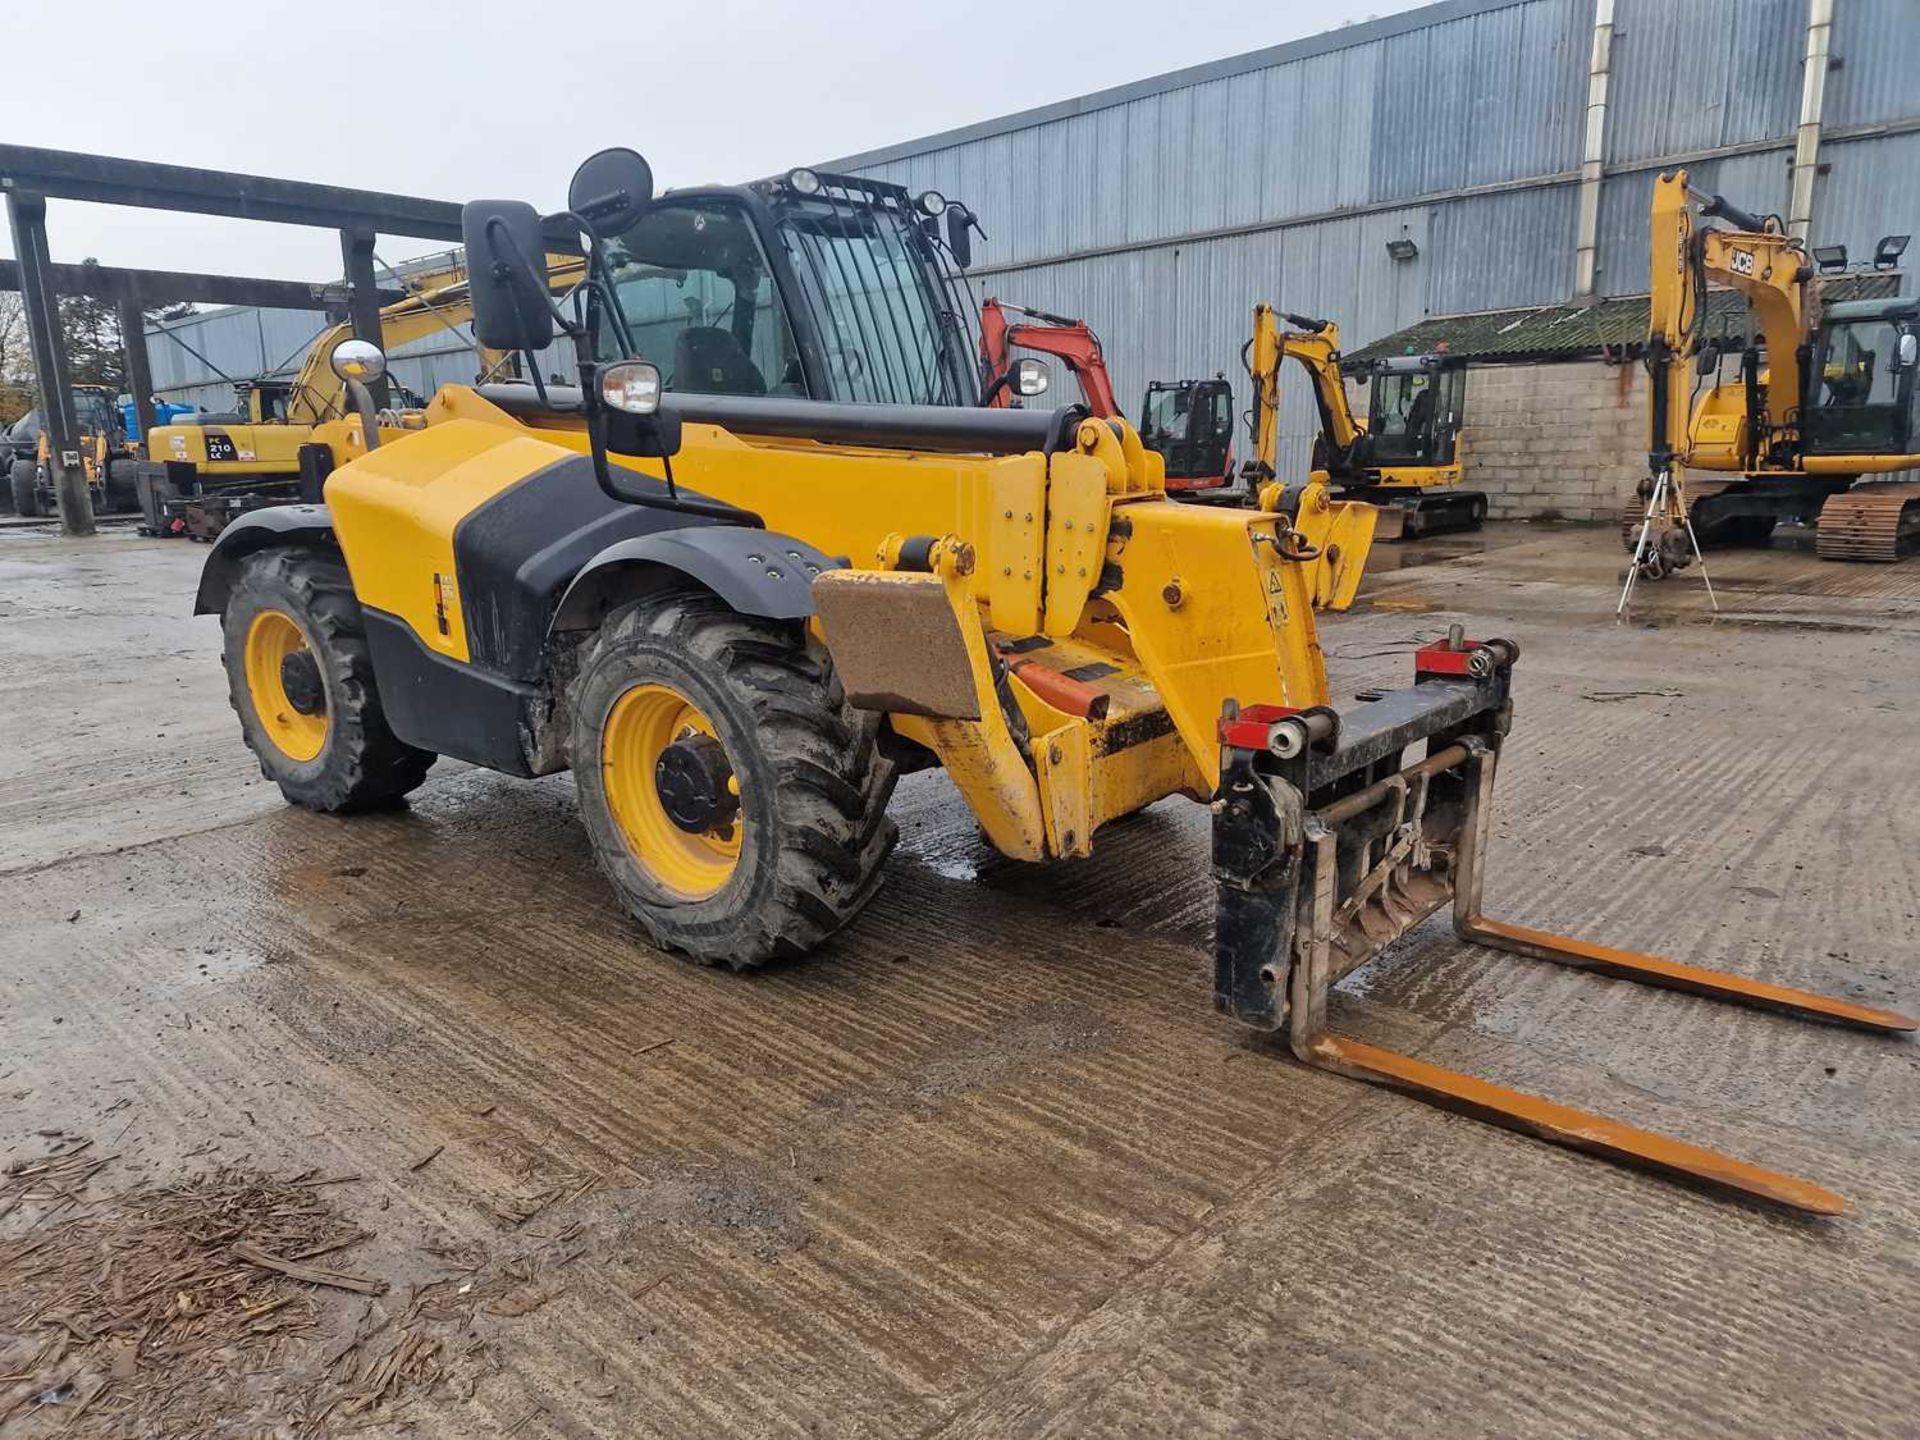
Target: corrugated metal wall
[(1160, 212), (1111, 207)]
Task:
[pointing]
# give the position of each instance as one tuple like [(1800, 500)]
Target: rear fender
[(275, 527), (757, 572)]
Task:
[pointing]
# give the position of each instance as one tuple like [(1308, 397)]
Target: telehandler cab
[(738, 616)]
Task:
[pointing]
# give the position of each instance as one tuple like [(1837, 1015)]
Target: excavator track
[(1874, 523)]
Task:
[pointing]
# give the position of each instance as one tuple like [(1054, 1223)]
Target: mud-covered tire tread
[(22, 478), (364, 766), (120, 485), (830, 784)]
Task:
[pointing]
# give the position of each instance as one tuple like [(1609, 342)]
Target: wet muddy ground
[(990, 1166)]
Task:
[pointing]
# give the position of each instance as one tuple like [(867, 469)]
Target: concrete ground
[(990, 1166)]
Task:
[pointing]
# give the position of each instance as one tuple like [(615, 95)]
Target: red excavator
[(1190, 425)]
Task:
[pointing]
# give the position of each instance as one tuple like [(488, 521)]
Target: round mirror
[(360, 360), (611, 190)]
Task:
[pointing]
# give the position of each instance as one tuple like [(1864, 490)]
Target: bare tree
[(16, 359)]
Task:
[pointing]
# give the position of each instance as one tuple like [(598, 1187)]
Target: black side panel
[(257, 530), (517, 553), (446, 707)]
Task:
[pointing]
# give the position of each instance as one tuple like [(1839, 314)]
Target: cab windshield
[(93, 412), (1862, 399), (1414, 415), (891, 332)]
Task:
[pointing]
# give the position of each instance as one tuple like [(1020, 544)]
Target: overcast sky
[(503, 97)]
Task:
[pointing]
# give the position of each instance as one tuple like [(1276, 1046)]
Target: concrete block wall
[(1556, 441)]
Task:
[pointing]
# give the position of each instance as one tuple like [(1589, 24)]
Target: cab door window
[(700, 303)]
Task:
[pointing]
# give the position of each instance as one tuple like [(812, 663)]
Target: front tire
[(733, 797), (301, 679)]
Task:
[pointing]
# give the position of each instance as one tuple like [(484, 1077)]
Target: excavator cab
[(1190, 424), (1414, 410), (1862, 399)]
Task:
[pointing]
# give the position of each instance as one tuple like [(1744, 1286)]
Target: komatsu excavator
[(283, 436), (1823, 396), (1406, 459), (737, 597)]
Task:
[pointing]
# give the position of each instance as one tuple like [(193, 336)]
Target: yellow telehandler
[(737, 598)]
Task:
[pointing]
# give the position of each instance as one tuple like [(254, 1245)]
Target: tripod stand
[(1666, 504)]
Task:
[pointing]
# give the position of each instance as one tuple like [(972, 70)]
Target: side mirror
[(960, 234), (1707, 362), (359, 363), (507, 263), (1907, 352), (360, 360), (1030, 378), (611, 190)]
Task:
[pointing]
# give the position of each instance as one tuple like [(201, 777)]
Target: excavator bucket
[(1328, 847)]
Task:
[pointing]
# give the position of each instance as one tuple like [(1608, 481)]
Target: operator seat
[(709, 361)]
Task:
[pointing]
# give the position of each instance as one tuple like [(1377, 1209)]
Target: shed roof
[(1583, 332)]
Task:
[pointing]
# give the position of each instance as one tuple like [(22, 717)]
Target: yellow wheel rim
[(271, 638), (642, 724)]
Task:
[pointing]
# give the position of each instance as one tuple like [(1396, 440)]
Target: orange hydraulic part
[(1071, 341)]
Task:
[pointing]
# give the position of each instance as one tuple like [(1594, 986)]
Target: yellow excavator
[(1406, 459), (1824, 394), (738, 593), (283, 436)]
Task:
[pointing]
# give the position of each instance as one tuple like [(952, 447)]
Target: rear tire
[(324, 742), (121, 492), (797, 850), (23, 481)]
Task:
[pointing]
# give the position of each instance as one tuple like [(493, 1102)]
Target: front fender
[(278, 525), (757, 572)]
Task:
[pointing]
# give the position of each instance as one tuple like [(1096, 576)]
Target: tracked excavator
[(1822, 396), (1407, 456), (737, 597)]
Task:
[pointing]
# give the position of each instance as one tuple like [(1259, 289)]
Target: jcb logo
[(1741, 262)]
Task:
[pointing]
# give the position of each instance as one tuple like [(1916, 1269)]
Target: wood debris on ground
[(198, 1307)]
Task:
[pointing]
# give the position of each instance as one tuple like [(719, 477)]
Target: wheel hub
[(695, 784), (300, 678)]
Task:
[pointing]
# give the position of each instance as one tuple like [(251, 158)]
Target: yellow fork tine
[(1563, 1125), (1652, 970)]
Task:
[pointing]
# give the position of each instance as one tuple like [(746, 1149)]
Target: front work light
[(631, 386), (1887, 253), (930, 203), (1031, 377), (1830, 258), (803, 182)]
